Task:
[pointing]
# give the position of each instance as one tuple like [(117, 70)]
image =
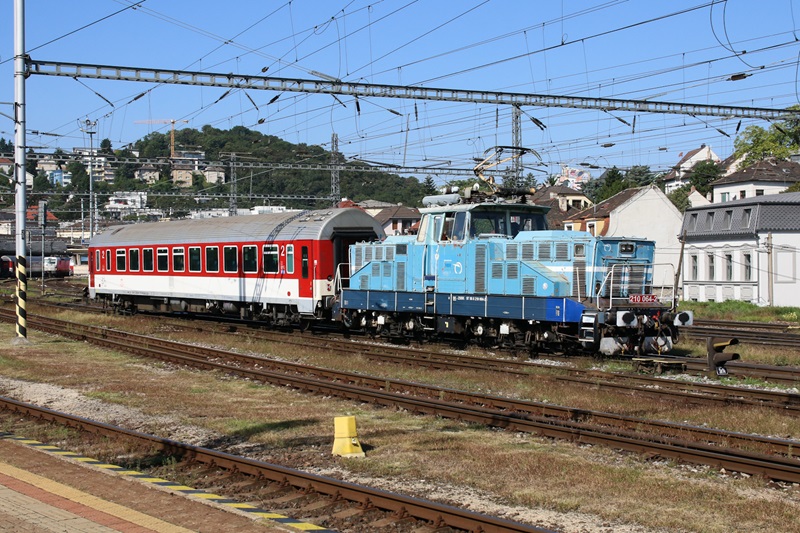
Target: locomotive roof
[(487, 206), (313, 225)]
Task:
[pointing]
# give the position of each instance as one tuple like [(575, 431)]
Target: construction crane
[(171, 121)]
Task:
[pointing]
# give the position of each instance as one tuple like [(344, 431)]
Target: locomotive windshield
[(488, 222)]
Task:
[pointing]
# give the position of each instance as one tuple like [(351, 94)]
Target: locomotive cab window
[(178, 260), (270, 258), (212, 259), (250, 259), (230, 258), (194, 259), (459, 226), (627, 248), (147, 259), (162, 259), (133, 259), (121, 261)]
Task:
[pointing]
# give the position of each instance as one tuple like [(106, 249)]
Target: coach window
[(212, 259), (270, 258), (97, 262), (194, 259), (147, 259), (290, 258), (178, 260), (230, 259), (108, 260), (250, 259), (133, 259), (304, 261), (121, 261), (162, 259)]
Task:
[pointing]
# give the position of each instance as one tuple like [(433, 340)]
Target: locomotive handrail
[(647, 287), (339, 279)]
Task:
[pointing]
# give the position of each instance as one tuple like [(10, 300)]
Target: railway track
[(325, 501), (752, 454), (675, 390)]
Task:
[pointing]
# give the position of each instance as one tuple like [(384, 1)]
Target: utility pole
[(233, 207), (516, 140), (20, 173), (89, 129), (335, 193)]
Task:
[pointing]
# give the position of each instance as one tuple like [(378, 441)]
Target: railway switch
[(716, 357), (345, 442)]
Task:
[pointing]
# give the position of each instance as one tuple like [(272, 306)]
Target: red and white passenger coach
[(275, 267)]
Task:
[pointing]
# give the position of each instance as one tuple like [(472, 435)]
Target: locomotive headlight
[(626, 319), (684, 318)]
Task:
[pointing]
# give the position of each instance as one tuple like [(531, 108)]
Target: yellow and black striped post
[(22, 296)]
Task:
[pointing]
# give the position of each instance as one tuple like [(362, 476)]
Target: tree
[(703, 174), (429, 186), (780, 140), (613, 181), (680, 197), (6, 146), (105, 147)]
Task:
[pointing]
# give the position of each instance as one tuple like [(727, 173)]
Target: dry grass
[(517, 468)]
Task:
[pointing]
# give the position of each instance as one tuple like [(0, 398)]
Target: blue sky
[(681, 51)]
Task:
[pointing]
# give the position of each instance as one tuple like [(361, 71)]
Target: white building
[(679, 175), (743, 250), (768, 176)]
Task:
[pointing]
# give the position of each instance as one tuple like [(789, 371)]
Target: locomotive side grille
[(497, 270), (544, 251), (562, 251), (390, 253), (529, 286), (376, 270), (401, 276), (367, 254), (579, 278), (629, 280), (527, 251), (358, 260), (511, 251), (480, 269), (379, 253), (512, 270), (364, 283), (387, 270)]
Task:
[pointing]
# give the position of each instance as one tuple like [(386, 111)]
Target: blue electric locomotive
[(492, 273)]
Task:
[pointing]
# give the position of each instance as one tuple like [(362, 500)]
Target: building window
[(178, 260), (270, 259), (567, 227), (748, 267), (759, 192), (694, 267), (195, 264), (711, 267), (250, 259), (728, 267), (212, 259), (162, 259), (727, 219), (746, 218), (230, 258), (693, 222), (742, 194), (725, 196), (590, 228), (710, 220)]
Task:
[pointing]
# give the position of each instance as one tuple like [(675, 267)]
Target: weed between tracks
[(425, 456)]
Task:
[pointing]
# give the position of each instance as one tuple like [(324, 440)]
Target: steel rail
[(438, 514)]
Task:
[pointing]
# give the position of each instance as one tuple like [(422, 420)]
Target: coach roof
[(312, 225)]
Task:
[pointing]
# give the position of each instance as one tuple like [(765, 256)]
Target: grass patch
[(742, 311)]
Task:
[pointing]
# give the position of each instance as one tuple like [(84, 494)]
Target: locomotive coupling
[(716, 357)]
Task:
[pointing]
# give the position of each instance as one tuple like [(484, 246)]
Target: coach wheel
[(305, 324)]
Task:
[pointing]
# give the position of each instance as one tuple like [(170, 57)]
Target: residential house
[(397, 220), (768, 176), (564, 202), (214, 174), (147, 173), (7, 168), (679, 175), (182, 175), (743, 249), (644, 212)]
